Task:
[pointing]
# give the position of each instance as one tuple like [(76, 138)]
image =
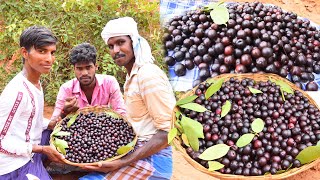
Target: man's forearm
[(155, 144)]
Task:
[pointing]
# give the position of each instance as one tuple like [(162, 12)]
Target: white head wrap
[(127, 26)]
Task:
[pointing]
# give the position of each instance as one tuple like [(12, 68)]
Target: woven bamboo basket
[(96, 110), (257, 77)]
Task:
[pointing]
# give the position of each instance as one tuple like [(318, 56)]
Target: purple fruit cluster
[(95, 137), (256, 39), (291, 125)]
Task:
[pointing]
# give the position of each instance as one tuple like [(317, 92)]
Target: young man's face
[(85, 73), (40, 59), (120, 48)]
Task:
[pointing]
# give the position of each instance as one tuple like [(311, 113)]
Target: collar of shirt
[(134, 71), (76, 84)]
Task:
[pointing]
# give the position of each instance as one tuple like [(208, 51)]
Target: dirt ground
[(182, 170)]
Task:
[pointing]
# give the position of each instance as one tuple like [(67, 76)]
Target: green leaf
[(220, 15), (194, 106), (283, 85), (254, 91), (215, 152), (257, 125), (112, 114), (282, 95), (185, 139), (226, 108), (214, 165), (193, 140), (61, 145), (309, 154), (178, 113), (132, 143), (124, 149), (318, 143), (280, 171), (172, 134), (179, 127), (197, 128), (72, 120), (193, 130), (244, 140), (55, 131), (214, 87), (186, 100), (62, 133)]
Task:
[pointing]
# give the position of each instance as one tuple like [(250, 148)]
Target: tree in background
[(73, 22)]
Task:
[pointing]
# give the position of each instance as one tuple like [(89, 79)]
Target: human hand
[(70, 105), (53, 154), (105, 166), (53, 122)]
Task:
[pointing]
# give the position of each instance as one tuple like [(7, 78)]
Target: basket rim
[(99, 109), (177, 140)]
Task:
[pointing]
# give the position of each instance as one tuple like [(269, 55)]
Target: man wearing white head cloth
[(149, 101)]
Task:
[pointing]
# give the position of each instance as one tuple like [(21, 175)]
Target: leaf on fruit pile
[(244, 140), (220, 15), (193, 130), (193, 140), (124, 150), (112, 114), (186, 100), (283, 85), (197, 128), (257, 125), (178, 113), (55, 131), (61, 145), (194, 106), (185, 139), (282, 95), (179, 127), (72, 120), (280, 171), (62, 133), (172, 134), (214, 165), (318, 143), (309, 154), (254, 91), (132, 143), (215, 152), (214, 87), (226, 108)]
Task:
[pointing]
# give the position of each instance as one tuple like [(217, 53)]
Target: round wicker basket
[(257, 77), (97, 110)]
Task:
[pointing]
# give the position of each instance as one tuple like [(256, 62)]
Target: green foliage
[(194, 106), (226, 108), (186, 100), (74, 22), (215, 152)]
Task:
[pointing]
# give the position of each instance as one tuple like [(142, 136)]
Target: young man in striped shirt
[(149, 101), (23, 139)]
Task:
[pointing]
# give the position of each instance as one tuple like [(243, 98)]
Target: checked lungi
[(157, 166)]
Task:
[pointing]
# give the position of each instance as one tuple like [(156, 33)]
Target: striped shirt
[(21, 122), (149, 100)]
